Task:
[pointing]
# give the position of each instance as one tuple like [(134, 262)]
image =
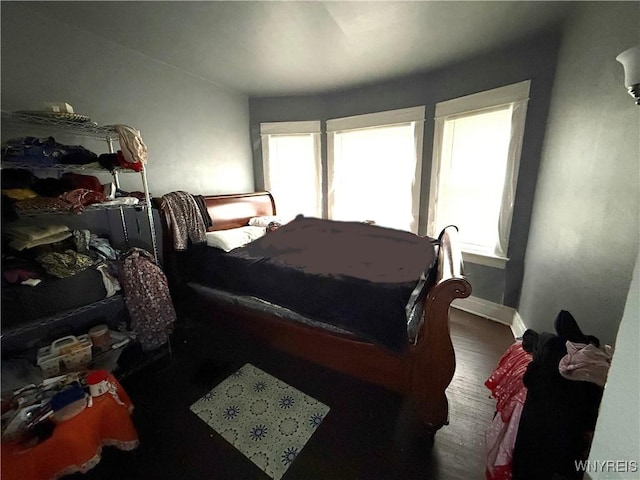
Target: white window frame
[(516, 94), (311, 127), (380, 119)]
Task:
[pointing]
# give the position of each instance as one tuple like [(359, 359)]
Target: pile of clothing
[(25, 193), (548, 387), (45, 152), (48, 269), (24, 236), (40, 251)]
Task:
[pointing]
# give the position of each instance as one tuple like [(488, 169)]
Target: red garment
[(506, 386), (123, 163), (81, 197)]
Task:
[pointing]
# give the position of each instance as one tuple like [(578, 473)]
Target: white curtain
[(518, 114), (476, 156), (374, 168), (291, 164)]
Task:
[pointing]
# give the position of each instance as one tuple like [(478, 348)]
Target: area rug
[(268, 421)]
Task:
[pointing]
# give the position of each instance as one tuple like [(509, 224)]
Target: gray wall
[(196, 131), (584, 231), (617, 434), (533, 59)]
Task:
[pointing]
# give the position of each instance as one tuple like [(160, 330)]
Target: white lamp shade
[(630, 60)]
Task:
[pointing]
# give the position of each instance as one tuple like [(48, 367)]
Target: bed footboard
[(433, 357)]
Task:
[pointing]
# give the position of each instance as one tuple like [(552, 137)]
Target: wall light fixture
[(630, 60)]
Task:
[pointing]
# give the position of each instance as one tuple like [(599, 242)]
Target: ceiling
[(272, 48)]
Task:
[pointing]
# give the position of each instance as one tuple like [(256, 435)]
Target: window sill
[(484, 259)]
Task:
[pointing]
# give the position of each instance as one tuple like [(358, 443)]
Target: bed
[(419, 363)]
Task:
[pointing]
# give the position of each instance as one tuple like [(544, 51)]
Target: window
[(291, 162), (476, 154), (374, 167)]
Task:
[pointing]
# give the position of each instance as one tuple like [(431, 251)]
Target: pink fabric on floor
[(506, 386)]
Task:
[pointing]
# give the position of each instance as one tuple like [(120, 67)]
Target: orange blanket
[(76, 443)]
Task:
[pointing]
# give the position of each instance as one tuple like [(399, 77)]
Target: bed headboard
[(235, 210), (226, 211)]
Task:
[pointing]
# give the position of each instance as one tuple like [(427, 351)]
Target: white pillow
[(264, 221), (234, 237)]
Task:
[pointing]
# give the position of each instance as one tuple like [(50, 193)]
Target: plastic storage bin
[(65, 354)]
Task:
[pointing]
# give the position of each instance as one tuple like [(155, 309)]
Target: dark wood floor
[(368, 434)]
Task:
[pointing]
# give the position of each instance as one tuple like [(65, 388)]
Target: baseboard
[(492, 311), (485, 308), (518, 327)]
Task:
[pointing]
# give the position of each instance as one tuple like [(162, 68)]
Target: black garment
[(202, 206), (559, 415), (108, 161), (52, 187), (17, 178), (78, 155)]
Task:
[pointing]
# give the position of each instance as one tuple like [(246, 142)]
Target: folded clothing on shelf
[(24, 236), (45, 152), (27, 231), (23, 244)]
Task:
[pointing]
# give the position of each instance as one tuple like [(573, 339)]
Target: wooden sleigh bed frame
[(422, 373)]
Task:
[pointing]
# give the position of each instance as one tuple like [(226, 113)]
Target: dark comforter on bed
[(353, 275)]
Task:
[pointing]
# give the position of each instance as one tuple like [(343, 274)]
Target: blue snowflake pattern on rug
[(268, 421), (258, 432), (287, 401), (209, 396), (315, 419), (289, 455), (231, 412), (259, 386)]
